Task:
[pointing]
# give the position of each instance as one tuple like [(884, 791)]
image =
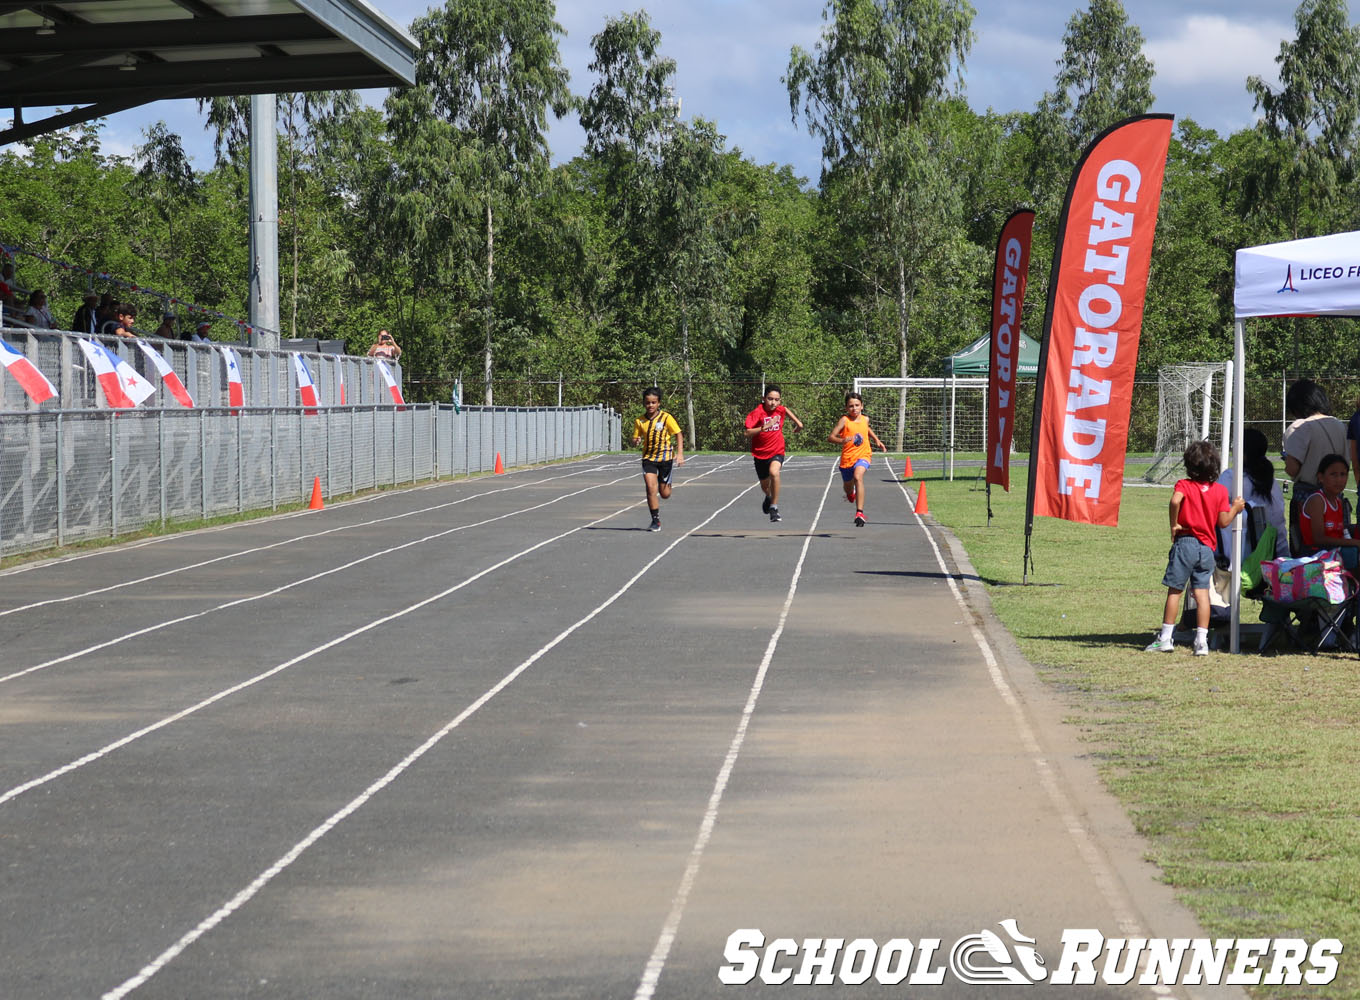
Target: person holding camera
[(385, 348)]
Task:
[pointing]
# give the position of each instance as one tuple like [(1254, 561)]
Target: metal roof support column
[(264, 224)]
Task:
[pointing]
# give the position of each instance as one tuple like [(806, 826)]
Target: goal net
[(1191, 402), (914, 415)]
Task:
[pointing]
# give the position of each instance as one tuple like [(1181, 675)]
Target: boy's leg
[(773, 481), (652, 501), (1173, 606), (663, 486), (859, 487), (1202, 607)]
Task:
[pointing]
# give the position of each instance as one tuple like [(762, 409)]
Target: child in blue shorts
[(1199, 507)]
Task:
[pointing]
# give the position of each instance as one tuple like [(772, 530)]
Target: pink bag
[(1319, 575)]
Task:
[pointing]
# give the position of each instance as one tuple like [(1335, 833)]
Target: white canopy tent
[(1313, 277)]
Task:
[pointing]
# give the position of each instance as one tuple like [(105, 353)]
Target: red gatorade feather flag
[(1093, 321), (1008, 299)]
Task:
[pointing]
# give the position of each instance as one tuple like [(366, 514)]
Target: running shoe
[(854, 495), (765, 504), (1160, 645), (656, 524), (859, 519), (1201, 649), (774, 513)]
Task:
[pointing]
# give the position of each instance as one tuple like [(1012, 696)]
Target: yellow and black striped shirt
[(658, 436)]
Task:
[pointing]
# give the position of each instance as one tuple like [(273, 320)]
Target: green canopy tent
[(974, 359)]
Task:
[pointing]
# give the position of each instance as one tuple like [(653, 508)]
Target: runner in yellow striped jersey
[(663, 445)]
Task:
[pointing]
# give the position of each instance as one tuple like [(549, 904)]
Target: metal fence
[(71, 475), (266, 376)]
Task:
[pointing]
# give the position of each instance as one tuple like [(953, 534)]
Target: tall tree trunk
[(903, 318), (486, 309), (689, 378)]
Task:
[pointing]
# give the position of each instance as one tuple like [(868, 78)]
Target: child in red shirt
[(1199, 507)]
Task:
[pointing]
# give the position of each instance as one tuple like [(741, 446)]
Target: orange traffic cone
[(500, 469), (906, 466), (921, 506), (316, 503)]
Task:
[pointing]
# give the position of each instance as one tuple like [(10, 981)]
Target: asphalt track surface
[(492, 738)]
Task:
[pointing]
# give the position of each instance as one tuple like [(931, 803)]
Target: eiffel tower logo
[(1288, 285)]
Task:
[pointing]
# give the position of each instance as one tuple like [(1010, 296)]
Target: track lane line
[(118, 744), (286, 541), (265, 877), (657, 962)]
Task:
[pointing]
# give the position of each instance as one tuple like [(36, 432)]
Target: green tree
[(1312, 122), (872, 94), (492, 71), (166, 181)]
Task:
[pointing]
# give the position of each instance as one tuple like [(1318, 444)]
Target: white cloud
[(1208, 49)]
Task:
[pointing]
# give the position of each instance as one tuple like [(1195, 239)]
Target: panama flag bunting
[(392, 386), (167, 375), (236, 393), (30, 379), (123, 387), (306, 387)]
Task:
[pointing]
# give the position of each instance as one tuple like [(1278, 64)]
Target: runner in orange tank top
[(852, 433)]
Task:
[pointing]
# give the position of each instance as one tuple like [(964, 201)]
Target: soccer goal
[(1192, 401), (946, 414)]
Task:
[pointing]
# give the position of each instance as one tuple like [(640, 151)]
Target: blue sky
[(730, 55)]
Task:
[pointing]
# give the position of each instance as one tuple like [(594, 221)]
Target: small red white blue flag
[(123, 387), (392, 386), (306, 387), (236, 393), (30, 379), (167, 375)]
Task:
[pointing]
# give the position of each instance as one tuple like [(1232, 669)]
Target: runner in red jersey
[(765, 431)]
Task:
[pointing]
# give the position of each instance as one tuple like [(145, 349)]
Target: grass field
[(1243, 772)]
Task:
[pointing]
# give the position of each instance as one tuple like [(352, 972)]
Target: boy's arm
[(1177, 498), (794, 417), (881, 445), (679, 447), (835, 437), (1225, 517)]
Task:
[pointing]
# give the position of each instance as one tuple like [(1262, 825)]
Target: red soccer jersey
[(770, 441), (1199, 510)]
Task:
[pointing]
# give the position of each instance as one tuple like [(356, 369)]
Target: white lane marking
[(1100, 871), (295, 583), (266, 876), (104, 751), (652, 973), (286, 541)]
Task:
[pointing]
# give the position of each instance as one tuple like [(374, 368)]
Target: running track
[(493, 739)]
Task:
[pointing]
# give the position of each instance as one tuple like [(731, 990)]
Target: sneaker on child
[(1160, 645)]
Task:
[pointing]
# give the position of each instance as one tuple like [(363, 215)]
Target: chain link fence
[(72, 475)]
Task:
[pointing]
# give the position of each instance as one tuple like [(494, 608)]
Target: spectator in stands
[(167, 327), (105, 312), (385, 347), (8, 289), (86, 319), (202, 333), (1313, 433), (121, 325), (36, 315)]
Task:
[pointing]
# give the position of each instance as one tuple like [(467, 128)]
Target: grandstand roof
[(111, 55)]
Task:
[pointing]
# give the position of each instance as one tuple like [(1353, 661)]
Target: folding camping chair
[(1336, 621)]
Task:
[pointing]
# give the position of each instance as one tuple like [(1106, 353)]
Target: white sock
[(1166, 632), (1201, 637)]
